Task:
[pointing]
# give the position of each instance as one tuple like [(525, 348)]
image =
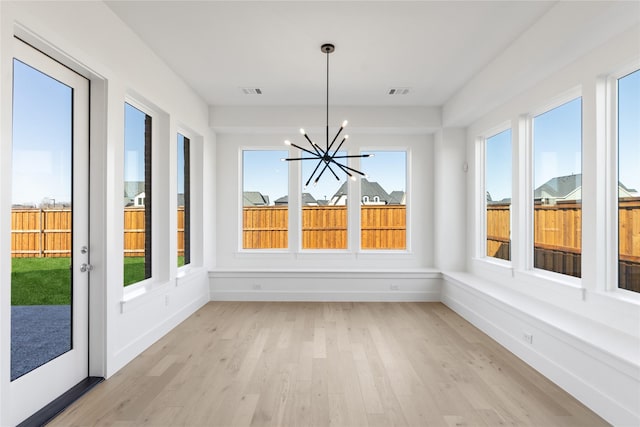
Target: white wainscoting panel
[(320, 285)]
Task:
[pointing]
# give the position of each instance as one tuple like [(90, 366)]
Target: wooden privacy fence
[(558, 234), (47, 232), (324, 227), (41, 233)]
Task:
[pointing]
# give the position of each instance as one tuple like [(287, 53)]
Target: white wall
[(586, 333), (450, 172), (90, 39)]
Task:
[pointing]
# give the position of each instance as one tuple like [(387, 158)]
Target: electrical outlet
[(257, 287), (394, 287), (527, 337)]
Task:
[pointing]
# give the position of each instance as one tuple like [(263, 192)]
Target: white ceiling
[(432, 47)]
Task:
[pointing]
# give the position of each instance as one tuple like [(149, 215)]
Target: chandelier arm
[(303, 149), (302, 158), (343, 168), (327, 166), (351, 169), (313, 144), (338, 149), (313, 173), (334, 138), (352, 157), (334, 174)]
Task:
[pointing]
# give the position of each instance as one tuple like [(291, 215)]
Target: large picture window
[(557, 177), (383, 204), (184, 201), (629, 182), (265, 188), (498, 195), (137, 195)]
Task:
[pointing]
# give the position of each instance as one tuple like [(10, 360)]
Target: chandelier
[(327, 156)]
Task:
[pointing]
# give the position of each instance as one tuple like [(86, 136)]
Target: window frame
[(408, 195), (481, 174), (240, 201), (158, 118), (555, 102), (612, 241), (186, 266)]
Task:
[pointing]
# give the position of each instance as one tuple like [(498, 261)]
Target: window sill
[(141, 295)]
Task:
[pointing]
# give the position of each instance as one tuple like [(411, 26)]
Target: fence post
[(41, 234)]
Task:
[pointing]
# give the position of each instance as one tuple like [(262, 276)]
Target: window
[(383, 213), (557, 178), (629, 182), (498, 195), (265, 189), (324, 207), (184, 202), (137, 195)]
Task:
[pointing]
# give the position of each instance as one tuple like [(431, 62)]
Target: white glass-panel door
[(49, 231)]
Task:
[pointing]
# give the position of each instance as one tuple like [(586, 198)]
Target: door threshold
[(46, 414)]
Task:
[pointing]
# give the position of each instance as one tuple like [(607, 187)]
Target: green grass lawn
[(40, 281), (46, 281), (133, 270)]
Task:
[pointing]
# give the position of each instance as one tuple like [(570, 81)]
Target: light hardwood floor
[(322, 364)]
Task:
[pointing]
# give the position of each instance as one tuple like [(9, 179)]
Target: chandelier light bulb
[(302, 131), (287, 142), (352, 178), (346, 137), (344, 124)]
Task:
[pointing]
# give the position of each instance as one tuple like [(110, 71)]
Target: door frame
[(98, 295)]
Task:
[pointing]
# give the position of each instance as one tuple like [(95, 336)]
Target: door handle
[(84, 268)]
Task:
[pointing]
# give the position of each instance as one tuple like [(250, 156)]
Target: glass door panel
[(41, 219)]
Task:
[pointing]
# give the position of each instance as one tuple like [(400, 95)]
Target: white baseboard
[(608, 385), (274, 295), (299, 285), (190, 300)]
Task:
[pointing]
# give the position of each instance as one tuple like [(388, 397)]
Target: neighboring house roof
[(307, 200), (397, 198), (254, 198), (368, 188), (631, 191), (133, 188), (570, 187), (559, 187)]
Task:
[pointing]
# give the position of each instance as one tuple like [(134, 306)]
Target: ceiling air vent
[(251, 90), (398, 91)]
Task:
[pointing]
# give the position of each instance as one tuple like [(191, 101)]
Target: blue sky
[(557, 142), (629, 130), (264, 171), (41, 137), (133, 144), (180, 163), (498, 166)]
